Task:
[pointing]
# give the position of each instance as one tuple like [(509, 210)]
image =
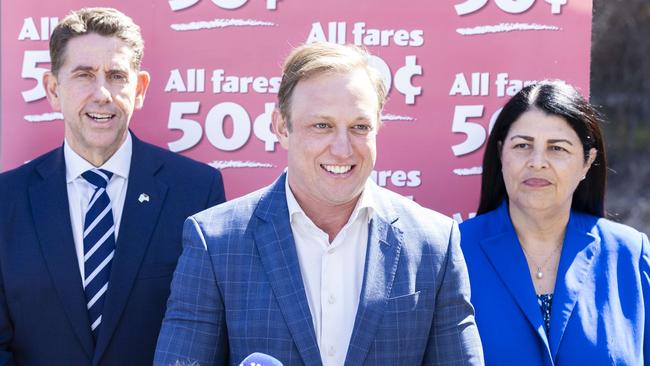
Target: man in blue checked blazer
[(90, 232), (323, 267)]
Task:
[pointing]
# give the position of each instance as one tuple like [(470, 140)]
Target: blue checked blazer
[(237, 289), (600, 310)]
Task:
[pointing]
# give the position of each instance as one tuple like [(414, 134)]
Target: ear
[(51, 85), (280, 128), (141, 88), (593, 153)]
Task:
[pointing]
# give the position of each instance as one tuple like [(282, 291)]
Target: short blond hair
[(319, 58)]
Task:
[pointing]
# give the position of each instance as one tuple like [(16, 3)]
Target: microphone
[(260, 359)]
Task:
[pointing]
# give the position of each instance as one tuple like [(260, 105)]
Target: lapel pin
[(143, 197)]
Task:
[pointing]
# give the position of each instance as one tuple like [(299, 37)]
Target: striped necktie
[(99, 246)]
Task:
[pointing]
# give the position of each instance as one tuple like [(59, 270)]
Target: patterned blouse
[(544, 301)]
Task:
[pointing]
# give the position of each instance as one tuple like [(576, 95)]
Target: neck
[(539, 229), (96, 159), (329, 218)]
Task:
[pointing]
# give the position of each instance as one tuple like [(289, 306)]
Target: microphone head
[(260, 359)]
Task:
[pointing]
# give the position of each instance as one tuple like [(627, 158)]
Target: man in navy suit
[(323, 267), (90, 232)]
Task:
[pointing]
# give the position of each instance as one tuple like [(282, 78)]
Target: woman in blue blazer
[(553, 282)]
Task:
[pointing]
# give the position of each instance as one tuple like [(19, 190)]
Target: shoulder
[(19, 177), (484, 223), (229, 217), (172, 161), (612, 234), (412, 218), (187, 178)]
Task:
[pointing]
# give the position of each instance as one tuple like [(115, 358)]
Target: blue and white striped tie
[(99, 246)]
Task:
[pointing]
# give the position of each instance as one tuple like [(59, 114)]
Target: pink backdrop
[(215, 67)]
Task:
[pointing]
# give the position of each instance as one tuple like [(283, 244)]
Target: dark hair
[(554, 98), (103, 21), (319, 58)]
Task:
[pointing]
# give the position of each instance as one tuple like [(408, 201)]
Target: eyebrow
[(83, 68), (551, 141), (329, 118), (90, 68)]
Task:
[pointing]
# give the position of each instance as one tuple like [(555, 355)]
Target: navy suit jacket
[(238, 289), (599, 314), (43, 316)]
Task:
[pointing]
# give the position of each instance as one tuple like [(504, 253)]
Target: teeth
[(100, 116), (338, 169)]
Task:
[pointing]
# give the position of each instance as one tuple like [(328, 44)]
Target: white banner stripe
[(505, 27), (223, 164), (97, 296), (45, 117), (99, 268), (220, 23), (99, 243), (477, 170), (97, 220)]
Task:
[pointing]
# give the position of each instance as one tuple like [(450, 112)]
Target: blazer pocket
[(402, 303), (155, 270)]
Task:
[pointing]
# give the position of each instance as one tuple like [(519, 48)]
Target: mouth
[(100, 117), (337, 169), (537, 182)]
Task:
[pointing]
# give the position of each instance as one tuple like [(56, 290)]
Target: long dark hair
[(557, 99)]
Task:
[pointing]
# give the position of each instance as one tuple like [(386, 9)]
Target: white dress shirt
[(80, 191), (332, 274)]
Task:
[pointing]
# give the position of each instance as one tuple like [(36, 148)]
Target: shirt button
[(332, 351), (331, 299)]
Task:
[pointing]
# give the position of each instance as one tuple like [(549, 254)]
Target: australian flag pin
[(143, 197)]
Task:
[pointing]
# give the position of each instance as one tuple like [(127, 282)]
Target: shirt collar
[(365, 205), (118, 164)]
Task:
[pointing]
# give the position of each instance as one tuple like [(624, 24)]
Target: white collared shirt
[(332, 274), (80, 191)]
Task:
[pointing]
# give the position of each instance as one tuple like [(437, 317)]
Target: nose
[(101, 92), (538, 159), (341, 146)]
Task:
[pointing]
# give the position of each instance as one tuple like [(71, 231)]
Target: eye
[(521, 145), (362, 127), (117, 77), (321, 125), (83, 75), (557, 148)]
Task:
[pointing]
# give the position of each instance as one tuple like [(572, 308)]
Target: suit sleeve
[(6, 329), (644, 267), (6, 324), (454, 338), (217, 192), (194, 328)]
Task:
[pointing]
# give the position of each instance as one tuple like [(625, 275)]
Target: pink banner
[(215, 67)]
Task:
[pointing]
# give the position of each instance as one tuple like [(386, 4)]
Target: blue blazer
[(599, 314), (43, 316), (238, 289)]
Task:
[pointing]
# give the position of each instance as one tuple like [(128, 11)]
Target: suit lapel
[(275, 243), (49, 202), (138, 222), (576, 261), (384, 246), (507, 258)]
